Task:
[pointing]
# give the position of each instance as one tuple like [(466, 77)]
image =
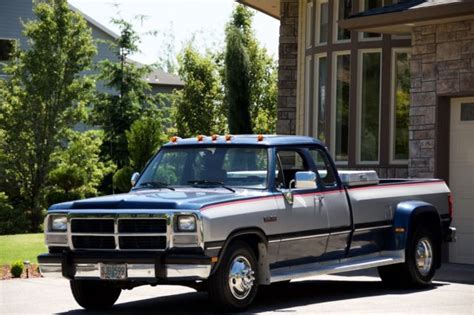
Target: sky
[(176, 22)]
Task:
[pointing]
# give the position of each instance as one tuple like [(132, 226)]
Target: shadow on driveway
[(274, 298)]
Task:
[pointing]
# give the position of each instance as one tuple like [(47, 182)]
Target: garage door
[(461, 178)]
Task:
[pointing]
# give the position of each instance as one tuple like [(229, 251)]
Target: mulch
[(33, 272)]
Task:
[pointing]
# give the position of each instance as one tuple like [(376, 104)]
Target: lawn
[(21, 246)]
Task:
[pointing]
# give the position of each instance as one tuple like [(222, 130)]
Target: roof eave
[(272, 13), (404, 21)]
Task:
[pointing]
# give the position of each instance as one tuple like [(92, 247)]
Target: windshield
[(243, 167)]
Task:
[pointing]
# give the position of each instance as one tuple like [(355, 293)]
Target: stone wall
[(287, 63), (442, 66)]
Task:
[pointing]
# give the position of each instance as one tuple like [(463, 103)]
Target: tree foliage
[(45, 94), (199, 104), (79, 170)]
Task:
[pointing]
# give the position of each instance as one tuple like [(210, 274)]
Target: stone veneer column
[(287, 67), (442, 65)]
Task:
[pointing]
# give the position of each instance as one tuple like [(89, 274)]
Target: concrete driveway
[(452, 293)]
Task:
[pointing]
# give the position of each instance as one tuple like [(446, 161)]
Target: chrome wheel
[(424, 256), (241, 277)]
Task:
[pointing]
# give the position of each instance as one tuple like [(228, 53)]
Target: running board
[(337, 266)]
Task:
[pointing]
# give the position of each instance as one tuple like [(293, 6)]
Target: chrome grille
[(122, 233)]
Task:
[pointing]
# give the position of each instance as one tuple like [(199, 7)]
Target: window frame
[(308, 77), (315, 114), (5, 62), (394, 52), (336, 40), (360, 65), (317, 26), (335, 54), (309, 25), (361, 34)]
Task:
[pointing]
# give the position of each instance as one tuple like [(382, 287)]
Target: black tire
[(94, 295), (219, 286), (407, 274)]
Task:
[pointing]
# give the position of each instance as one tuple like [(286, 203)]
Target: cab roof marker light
[(200, 138), (260, 138), (174, 139), (214, 138), (228, 138)]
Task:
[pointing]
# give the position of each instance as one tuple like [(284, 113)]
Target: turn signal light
[(200, 138), (450, 206)]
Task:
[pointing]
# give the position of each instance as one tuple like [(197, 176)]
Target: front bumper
[(149, 267)]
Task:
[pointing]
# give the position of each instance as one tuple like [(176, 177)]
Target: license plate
[(113, 271)]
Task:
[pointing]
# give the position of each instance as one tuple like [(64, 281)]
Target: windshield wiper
[(155, 185), (203, 182)]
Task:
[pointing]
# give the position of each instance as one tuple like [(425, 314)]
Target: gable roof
[(93, 22)]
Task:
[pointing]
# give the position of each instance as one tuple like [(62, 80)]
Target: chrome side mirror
[(134, 178), (305, 180)]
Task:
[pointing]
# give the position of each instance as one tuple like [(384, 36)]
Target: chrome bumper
[(134, 271)]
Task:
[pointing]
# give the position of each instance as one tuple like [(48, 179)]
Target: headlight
[(58, 223), (186, 223)]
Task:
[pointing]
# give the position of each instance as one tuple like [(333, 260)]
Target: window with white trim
[(320, 92), (343, 9), (309, 24), (341, 97), (369, 105), (307, 93), (401, 105), (322, 24), (369, 5)]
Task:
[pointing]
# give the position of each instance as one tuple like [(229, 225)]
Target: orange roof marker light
[(228, 138), (200, 138), (214, 138), (174, 139), (260, 138)]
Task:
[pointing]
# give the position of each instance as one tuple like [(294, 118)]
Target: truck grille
[(118, 233)]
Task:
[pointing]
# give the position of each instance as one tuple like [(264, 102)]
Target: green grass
[(21, 246)]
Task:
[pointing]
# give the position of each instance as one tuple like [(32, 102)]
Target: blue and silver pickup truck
[(229, 214)]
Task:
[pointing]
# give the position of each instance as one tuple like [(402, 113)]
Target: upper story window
[(6, 50), (369, 5), (322, 18), (343, 10)]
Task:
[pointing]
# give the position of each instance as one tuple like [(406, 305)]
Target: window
[(6, 50), (369, 5), (320, 72), (340, 127), (322, 16), (401, 105), (343, 10), (309, 24), (289, 162), (369, 116), (307, 93), (324, 168)]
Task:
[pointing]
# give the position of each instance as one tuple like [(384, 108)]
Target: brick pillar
[(287, 67)]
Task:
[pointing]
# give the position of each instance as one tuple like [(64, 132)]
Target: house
[(387, 85), (12, 12)]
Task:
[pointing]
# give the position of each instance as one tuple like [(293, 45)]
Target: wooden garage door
[(461, 178)]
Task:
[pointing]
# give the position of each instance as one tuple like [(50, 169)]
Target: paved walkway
[(360, 293)]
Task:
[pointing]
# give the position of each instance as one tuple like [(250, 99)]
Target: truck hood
[(188, 199)]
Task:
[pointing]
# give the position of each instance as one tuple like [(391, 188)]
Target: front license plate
[(113, 271)]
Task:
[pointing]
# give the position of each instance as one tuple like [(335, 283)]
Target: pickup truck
[(229, 214)]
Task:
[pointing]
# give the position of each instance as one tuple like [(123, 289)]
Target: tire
[(94, 295), (410, 274), (233, 294)]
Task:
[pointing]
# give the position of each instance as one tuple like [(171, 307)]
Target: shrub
[(17, 269), (12, 219)]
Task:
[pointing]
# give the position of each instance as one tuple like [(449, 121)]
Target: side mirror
[(305, 180), (134, 178)]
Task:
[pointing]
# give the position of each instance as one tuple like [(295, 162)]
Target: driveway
[(361, 292)]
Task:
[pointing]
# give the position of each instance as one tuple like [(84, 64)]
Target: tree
[(79, 170), (45, 94), (250, 78), (144, 139), (199, 104), (237, 73), (117, 110)]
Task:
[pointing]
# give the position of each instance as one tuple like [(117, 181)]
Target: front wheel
[(94, 295), (233, 286), (419, 266)]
